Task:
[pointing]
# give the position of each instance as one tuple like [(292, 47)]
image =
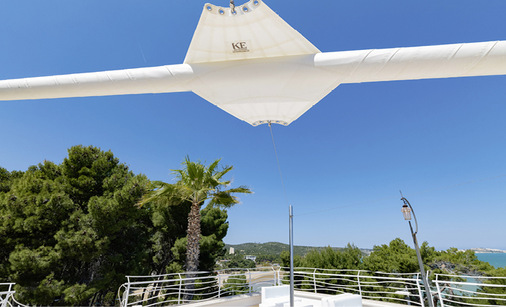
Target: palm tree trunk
[(192, 248)]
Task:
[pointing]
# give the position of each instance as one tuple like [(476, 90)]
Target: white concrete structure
[(278, 296)]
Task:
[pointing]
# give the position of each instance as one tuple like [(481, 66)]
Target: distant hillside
[(275, 248)]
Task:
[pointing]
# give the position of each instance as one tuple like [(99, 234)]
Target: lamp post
[(406, 211)]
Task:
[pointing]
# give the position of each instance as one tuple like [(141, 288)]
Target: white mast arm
[(281, 88), (161, 79), (411, 63)]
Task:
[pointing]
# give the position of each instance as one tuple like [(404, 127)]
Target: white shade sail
[(251, 31), (256, 67)]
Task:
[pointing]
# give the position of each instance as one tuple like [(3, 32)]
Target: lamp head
[(406, 211)]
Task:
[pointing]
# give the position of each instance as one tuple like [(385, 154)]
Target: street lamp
[(406, 211)]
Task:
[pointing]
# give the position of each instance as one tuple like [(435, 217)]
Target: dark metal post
[(418, 255), (422, 268), (291, 257)]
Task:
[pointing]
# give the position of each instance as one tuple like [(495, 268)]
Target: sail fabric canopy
[(277, 90), (281, 89), (275, 77), (251, 31)]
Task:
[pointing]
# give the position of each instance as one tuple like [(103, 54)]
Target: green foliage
[(69, 233), (400, 258), (214, 228), (455, 261), (235, 284), (348, 258), (169, 227), (498, 292), (267, 260), (397, 257), (78, 293), (285, 260), (271, 250), (199, 185), (326, 260), (237, 261), (7, 178)]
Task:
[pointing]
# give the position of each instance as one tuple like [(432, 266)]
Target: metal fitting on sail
[(232, 6)]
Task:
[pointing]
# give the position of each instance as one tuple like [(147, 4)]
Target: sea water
[(498, 260)]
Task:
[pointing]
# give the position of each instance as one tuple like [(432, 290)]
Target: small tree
[(197, 184)]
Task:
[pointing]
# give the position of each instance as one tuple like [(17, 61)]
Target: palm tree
[(197, 184)]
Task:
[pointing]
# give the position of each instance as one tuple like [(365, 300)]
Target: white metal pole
[(291, 255)]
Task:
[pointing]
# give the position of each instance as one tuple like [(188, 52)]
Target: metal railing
[(389, 287), (6, 292), (181, 288), (460, 290), (7, 296)]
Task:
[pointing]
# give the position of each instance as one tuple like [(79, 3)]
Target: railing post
[(274, 280), (429, 295), (408, 297), (314, 281), (359, 285), (439, 292), (280, 282), (127, 292), (180, 286), (3, 301), (9, 295), (420, 294), (219, 285), (249, 281)]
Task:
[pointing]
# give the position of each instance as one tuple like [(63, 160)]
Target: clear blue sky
[(442, 142)]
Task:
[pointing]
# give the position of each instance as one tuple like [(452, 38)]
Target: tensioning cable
[(277, 161)]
